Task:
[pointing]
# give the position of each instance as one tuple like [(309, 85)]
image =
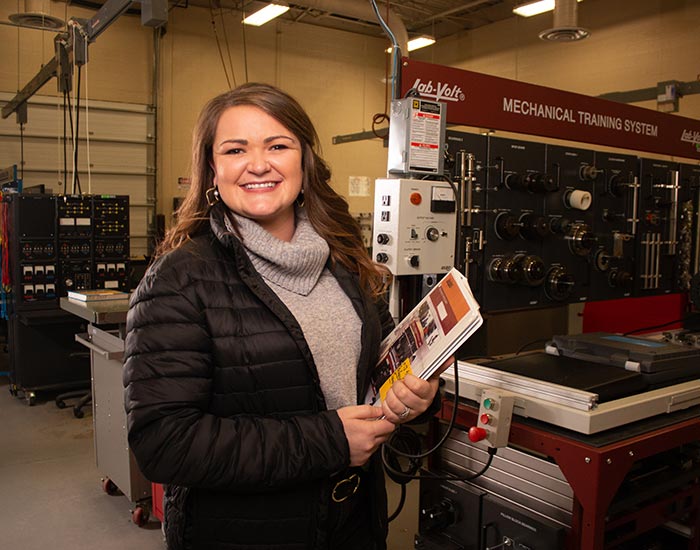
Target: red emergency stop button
[(476, 434), (415, 198)]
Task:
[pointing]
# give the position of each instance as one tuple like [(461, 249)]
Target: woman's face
[(257, 168)]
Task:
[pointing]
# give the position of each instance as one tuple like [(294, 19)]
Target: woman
[(250, 342)]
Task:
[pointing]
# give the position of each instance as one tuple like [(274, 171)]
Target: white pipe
[(361, 9)]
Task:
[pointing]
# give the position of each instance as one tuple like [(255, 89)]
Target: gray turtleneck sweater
[(296, 271)]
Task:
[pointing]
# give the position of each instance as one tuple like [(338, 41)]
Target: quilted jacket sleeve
[(168, 376)]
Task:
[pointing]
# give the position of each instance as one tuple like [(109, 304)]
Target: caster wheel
[(31, 399), (140, 516), (60, 403), (78, 413), (109, 487)]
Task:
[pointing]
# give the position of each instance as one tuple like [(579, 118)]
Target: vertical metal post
[(673, 214)]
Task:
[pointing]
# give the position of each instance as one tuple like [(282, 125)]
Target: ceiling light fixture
[(566, 27), (417, 43), (420, 42), (268, 13), (534, 8)]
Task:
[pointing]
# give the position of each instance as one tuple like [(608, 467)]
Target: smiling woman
[(250, 343), (257, 166)]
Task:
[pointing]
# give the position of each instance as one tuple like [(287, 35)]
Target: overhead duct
[(566, 27), (36, 16), (362, 10)]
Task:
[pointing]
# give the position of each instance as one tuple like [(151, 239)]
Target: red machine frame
[(595, 475)]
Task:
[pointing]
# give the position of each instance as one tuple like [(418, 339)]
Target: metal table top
[(100, 312)]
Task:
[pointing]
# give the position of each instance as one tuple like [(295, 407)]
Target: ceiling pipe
[(361, 9)]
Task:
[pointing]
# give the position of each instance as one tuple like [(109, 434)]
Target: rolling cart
[(114, 459)]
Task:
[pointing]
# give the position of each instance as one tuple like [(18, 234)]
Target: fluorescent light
[(534, 8), (416, 43), (420, 42), (265, 14)]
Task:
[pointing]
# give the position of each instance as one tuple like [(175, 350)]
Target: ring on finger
[(406, 411)]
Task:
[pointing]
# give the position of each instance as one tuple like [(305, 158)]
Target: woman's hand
[(411, 396), (365, 430)]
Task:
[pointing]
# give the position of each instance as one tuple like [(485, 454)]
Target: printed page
[(427, 336)]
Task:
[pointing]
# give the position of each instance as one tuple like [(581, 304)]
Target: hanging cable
[(72, 133), (87, 123), (379, 118), (531, 343), (395, 51), (21, 150), (218, 45), (416, 454), (76, 175), (228, 49), (66, 114), (18, 51), (73, 129), (405, 443), (245, 50)]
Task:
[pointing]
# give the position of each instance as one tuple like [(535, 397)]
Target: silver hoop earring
[(212, 195)]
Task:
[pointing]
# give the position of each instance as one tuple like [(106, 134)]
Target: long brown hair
[(328, 212)]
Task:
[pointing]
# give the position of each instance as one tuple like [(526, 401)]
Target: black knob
[(438, 517), (414, 261), (382, 258), (610, 216), (537, 182), (559, 225), (507, 226), (533, 271), (505, 269), (601, 260), (534, 227), (588, 172), (382, 238), (581, 239), (615, 186), (620, 279), (559, 284), (513, 181)]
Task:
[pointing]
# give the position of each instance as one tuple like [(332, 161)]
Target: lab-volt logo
[(691, 136), (439, 91)]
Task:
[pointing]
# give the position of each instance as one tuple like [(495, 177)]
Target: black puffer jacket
[(224, 402)]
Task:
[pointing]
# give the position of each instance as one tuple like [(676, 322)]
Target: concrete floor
[(50, 490), (51, 493)]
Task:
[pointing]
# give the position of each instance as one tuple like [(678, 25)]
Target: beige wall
[(338, 76), (120, 60)]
